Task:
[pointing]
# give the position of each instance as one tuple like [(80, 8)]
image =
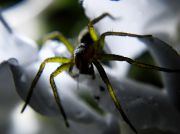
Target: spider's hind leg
[(61, 68), (113, 94)]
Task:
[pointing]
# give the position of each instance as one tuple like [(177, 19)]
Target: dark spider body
[(84, 53), (83, 56), (89, 53)]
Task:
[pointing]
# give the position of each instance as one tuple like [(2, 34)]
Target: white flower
[(160, 18), (85, 115)]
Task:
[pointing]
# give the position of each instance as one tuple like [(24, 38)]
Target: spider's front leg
[(91, 28), (102, 37), (35, 80), (63, 67), (112, 93), (109, 57), (59, 36)]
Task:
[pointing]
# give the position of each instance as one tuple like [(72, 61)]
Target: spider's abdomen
[(83, 56)]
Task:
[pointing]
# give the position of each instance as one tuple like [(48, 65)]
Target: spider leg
[(91, 28), (35, 80), (102, 37), (62, 38), (63, 67), (134, 62), (112, 93)]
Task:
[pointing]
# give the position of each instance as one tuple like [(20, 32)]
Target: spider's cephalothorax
[(85, 56), (85, 37), (84, 53)]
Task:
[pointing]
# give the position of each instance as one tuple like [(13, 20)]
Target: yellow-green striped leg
[(61, 68), (102, 37), (60, 37), (35, 80), (110, 57), (91, 28), (112, 93)]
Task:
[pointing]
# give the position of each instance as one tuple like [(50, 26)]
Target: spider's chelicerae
[(85, 56)]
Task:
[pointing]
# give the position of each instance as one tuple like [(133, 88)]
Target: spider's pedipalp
[(35, 80), (112, 93), (60, 69)]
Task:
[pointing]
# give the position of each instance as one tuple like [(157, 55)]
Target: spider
[(85, 57)]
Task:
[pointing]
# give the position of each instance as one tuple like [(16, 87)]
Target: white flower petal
[(168, 58), (17, 46), (43, 100), (142, 17), (148, 106)]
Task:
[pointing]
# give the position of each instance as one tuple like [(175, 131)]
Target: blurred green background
[(4, 4), (66, 16)]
